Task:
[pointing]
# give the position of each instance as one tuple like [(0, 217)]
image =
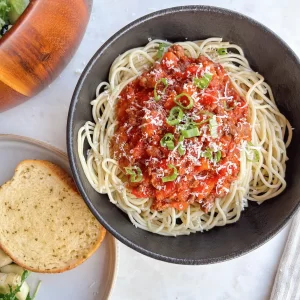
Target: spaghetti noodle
[(261, 148)]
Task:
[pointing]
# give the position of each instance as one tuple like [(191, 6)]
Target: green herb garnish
[(213, 125), (175, 116), (203, 82), (222, 51), (190, 131), (181, 147), (189, 106), (217, 156), (161, 50), (168, 141), (212, 156), (135, 173), (253, 156), (171, 177), (203, 112), (165, 82), (4, 10)]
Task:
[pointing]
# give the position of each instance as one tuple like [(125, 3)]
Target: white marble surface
[(44, 117)]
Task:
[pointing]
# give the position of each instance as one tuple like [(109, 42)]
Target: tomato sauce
[(210, 162)]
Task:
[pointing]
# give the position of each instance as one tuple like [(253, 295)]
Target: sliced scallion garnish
[(203, 82), (255, 153), (171, 177), (200, 123), (190, 132), (222, 51), (203, 112), (135, 173), (181, 147), (175, 116), (165, 82), (213, 125), (212, 156), (207, 153), (217, 156), (189, 106), (161, 50), (168, 141)]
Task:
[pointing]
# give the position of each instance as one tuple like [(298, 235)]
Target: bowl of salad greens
[(37, 40), (10, 11)]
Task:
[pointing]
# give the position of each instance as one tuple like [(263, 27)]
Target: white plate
[(94, 279)]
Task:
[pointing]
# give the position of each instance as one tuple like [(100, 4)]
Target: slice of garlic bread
[(45, 226)]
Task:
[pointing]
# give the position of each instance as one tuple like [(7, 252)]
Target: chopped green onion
[(203, 82), (189, 133), (217, 156), (5, 9), (212, 156), (255, 154), (200, 123), (203, 112), (161, 50), (190, 130), (135, 173), (168, 141), (213, 125), (189, 106), (181, 147), (222, 51), (170, 145), (207, 153), (165, 82), (175, 116), (171, 177)]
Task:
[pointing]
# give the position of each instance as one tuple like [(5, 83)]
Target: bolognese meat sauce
[(179, 130)]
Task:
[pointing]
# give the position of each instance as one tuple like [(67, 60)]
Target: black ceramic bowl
[(267, 54)]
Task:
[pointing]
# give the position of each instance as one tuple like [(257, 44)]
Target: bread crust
[(68, 181), (61, 270)]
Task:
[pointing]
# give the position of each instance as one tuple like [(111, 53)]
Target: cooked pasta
[(241, 131)]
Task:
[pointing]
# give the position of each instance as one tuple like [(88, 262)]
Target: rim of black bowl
[(70, 135)]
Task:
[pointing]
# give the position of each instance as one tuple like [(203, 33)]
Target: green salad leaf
[(4, 11), (11, 295), (17, 7)]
